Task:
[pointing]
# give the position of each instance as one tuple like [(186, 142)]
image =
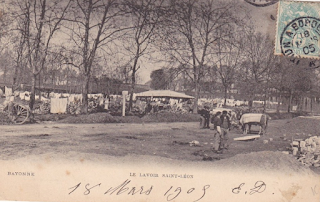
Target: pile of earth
[(102, 117), (307, 125), (99, 118), (264, 161), (287, 115)]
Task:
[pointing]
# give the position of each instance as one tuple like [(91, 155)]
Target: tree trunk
[(195, 104), (311, 99), (14, 79), (5, 74), (33, 91), (265, 101), (250, 103), (300, 103), (264, 106), (225, 95), (85, 91), (196, 89), (289, 103), (132, 91), (279, 100), (39, 89), (133, 76), (133, 83)]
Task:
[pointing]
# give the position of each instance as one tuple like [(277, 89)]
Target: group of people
[(221, 125)]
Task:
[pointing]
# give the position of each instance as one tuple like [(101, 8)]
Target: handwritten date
[(170, 194), (124, 188)]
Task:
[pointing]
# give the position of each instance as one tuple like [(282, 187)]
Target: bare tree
[(20, 60), (254, 79), (7, 66), (228, 58), (191, 34), (94, 27), (293, 80), (40, 19), (145, 16)]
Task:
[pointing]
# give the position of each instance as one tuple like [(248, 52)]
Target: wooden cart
[(18, 113)]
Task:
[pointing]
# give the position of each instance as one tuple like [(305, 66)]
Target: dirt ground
[(168, 140)]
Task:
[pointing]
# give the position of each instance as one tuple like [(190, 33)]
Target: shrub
[(165, 116), (102, 117), (91, 118)]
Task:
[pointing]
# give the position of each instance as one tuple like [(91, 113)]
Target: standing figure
[(217, 132), (205, 116), (225, 127)]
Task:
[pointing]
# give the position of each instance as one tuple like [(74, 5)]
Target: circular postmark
[(262, 3), (301, 37)]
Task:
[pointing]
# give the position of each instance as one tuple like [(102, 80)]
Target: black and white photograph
[(159, 100)]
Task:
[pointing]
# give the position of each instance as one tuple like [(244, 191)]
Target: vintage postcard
[(159, 100)]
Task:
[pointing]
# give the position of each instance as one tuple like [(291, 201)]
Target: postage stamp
[(298, 29)]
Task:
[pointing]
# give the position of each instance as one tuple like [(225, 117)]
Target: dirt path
[(170, 140), (86, 129)]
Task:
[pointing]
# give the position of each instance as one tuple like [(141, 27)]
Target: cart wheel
[(246, 129), (20, 114)]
